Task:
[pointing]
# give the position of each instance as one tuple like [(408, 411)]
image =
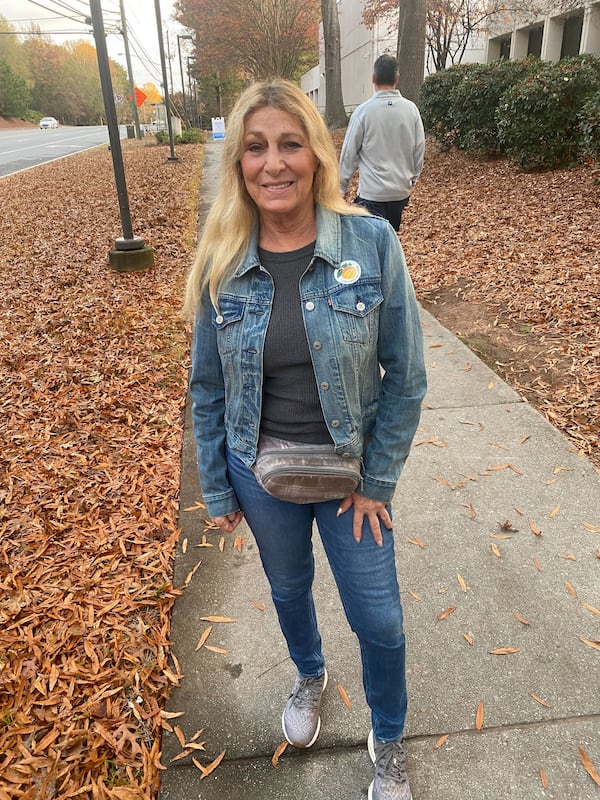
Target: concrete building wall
[(552, 36)]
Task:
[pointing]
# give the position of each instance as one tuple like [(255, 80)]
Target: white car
[(48, 122)]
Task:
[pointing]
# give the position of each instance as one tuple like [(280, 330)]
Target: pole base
[(131, 260)]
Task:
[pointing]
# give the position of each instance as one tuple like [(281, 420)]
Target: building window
[(534, 44), (571, 39), (505, 48)]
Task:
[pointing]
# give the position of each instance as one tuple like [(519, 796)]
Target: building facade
[(552, 36)]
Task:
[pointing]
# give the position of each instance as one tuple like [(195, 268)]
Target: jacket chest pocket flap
[(354, 305), (231, 311)]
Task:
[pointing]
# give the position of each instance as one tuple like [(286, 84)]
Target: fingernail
[(339, 511)]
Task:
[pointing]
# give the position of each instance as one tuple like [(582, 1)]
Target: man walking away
[(386, 141)]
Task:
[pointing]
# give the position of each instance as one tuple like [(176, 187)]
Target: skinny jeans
[(366, 579)]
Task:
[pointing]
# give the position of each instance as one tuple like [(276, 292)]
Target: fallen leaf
[(204, 637), (505, 651), (417, 541), (180, 735), (191, 573), (592, 528), (415, 596), (479, 716), (258, 605), (278, 753), (543, 779), (495, 550), (213, 649), (588, 766), (590, 643), (539, 700), (521, 619), (570, 589), (344, 696), (446, 612), (441, 742), (592, 609), (537, 565), (554, 511), (468, 638), (206, 771), (534, 527), (216, 619), (461, 582)]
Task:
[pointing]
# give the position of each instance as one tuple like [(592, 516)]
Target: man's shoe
[(391, 780), (300, 721)]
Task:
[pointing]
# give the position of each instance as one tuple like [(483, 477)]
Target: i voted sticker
[(348, 272)]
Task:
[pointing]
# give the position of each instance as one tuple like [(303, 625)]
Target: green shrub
[(435, 105), (589, 123), (189, 136), (538, 118), (475, 99)]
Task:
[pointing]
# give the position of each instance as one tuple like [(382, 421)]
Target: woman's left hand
[(375, 511)]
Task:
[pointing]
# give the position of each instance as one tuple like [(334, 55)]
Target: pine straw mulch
[(93, 368), (510, 262)]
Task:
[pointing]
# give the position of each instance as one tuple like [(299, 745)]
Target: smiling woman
[(308, 353)]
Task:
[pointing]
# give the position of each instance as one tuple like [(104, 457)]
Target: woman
[(300, 301)]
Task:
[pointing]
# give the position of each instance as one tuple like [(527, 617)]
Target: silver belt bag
[(304, 473)]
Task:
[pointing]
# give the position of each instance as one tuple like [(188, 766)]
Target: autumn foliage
[(93, 366)]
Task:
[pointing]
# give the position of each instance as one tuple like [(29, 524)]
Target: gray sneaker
[(391, 780), (300, 720)]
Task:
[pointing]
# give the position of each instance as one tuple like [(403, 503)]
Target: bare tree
[(335, 113)]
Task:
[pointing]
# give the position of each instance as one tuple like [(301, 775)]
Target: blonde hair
[(233, 216)]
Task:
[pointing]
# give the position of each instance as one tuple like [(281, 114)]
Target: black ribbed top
[(291, 408)]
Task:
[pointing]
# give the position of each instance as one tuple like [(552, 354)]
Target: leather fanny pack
[(304, 473)]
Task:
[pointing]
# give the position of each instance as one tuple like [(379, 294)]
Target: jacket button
[(317, 345), (324, 385), (310, 306), (335, 423), (218, 319), (360, 306)]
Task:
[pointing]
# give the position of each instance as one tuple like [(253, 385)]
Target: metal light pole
[(136, 117), (179, 37), (130, 253), (161, 47)]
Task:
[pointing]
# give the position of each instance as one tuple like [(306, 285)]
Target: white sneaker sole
[(317, 731)]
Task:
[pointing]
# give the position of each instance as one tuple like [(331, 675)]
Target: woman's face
[(278, 164)]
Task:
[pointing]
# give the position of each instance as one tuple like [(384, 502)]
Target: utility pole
[(161, 47), (136, 116), (130, 253)]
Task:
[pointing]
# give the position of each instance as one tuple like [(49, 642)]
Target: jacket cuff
[(376, 490), (221, 504)]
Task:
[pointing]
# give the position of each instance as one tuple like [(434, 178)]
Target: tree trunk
[(335, 113), (411, 46)]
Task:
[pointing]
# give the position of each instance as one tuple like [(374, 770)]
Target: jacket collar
[(328, 245)]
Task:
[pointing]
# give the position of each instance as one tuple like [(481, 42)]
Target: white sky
[(141, 24)]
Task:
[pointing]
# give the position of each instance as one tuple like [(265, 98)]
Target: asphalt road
[(27, 147)]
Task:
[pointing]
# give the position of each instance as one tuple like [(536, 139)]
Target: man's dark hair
[(385, 70)]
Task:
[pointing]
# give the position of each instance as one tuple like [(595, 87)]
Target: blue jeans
[(366, 579)]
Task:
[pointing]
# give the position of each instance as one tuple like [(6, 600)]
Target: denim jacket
[(364, 333)]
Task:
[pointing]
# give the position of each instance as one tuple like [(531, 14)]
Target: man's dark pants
[(392, 210)]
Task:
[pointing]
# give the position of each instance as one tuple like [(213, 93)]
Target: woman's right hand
[(229, 522)]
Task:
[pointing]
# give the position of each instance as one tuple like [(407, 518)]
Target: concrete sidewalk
[(496, 522)]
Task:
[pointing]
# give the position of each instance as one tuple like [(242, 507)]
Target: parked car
[(48, 122)]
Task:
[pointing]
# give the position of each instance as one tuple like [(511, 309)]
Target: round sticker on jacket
[(347, 272)]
